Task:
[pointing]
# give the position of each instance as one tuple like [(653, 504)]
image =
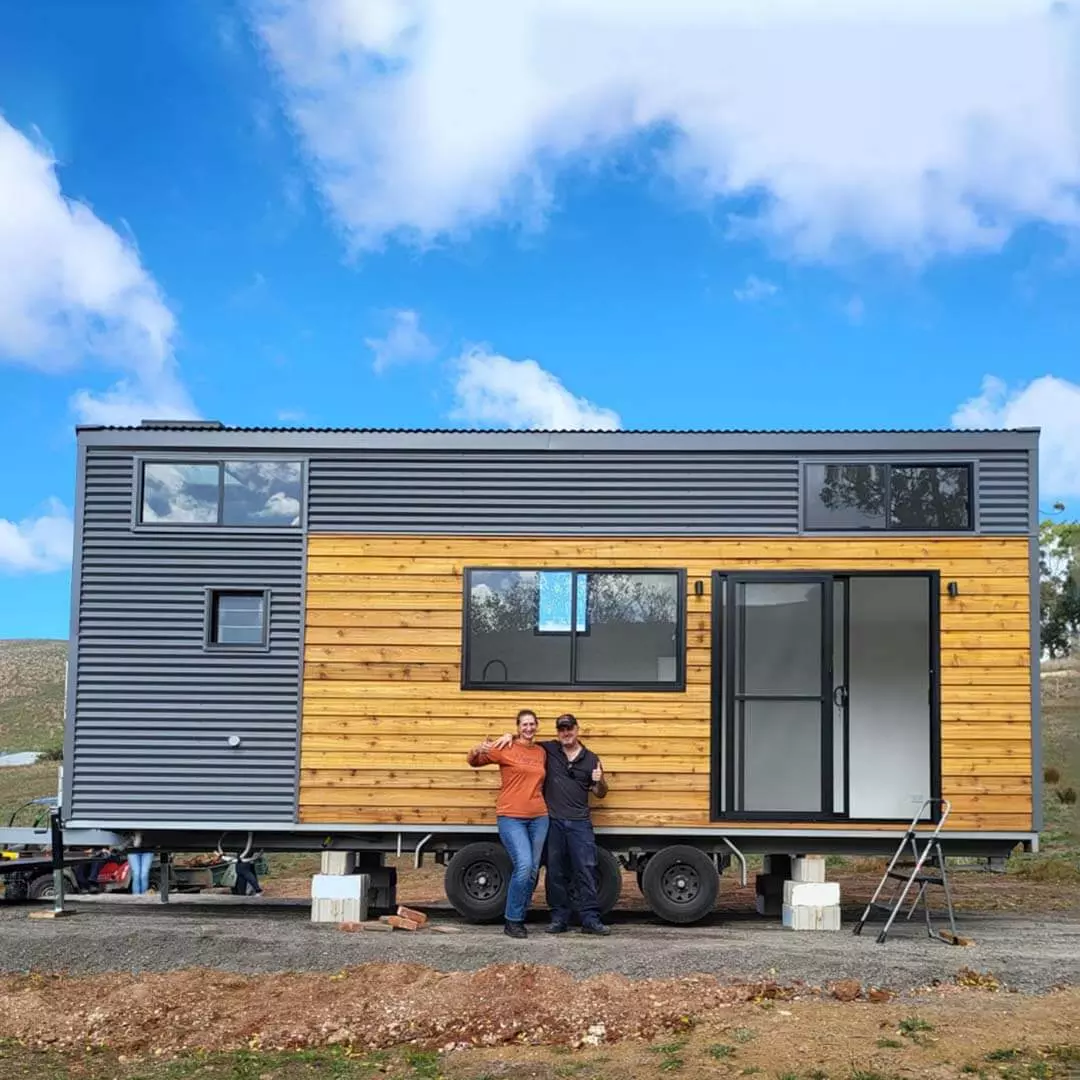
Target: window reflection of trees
[(904, 497), (501, 601)]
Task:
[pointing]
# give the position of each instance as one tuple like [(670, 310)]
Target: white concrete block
[(811, 893), (338, 862), (808, 868), (811, 918), (339, 886), (338, 898)]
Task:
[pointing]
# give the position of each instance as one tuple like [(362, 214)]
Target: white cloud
[(405, 343), (754, 289), (493, 390), (39, 544), (72, 289), (1049, 403), (863, 124)]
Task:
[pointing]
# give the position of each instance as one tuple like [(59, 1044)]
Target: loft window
[(921, 498), (598, 629), (237, 618), (233, 493)]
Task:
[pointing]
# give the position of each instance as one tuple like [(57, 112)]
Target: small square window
[(238, 618)]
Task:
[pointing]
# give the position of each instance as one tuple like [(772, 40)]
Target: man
[(573, 771)]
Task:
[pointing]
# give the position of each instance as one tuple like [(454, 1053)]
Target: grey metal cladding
[(581, 491), (153, 709), (602, 491), (1005, 494)]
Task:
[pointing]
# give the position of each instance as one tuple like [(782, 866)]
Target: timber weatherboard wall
[(387, 724), (150, 710)]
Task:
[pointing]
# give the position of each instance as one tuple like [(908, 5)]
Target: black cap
[(565, 723)]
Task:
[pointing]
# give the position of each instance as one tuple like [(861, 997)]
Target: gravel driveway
[(1029, 954)]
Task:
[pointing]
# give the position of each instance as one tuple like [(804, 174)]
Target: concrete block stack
[(809, 901), (339, 898)]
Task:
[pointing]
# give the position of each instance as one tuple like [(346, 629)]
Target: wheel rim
[(680, 883), (483, 881)]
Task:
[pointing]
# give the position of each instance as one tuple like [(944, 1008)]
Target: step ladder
[(918, 861)]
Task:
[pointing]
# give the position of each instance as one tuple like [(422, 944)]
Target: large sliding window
[(233, 493), (589, 629), (851, 497)]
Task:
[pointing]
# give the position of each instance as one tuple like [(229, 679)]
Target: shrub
[(1067, 796), (1051, 775)]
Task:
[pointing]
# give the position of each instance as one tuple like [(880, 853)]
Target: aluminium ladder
[(926, 868)]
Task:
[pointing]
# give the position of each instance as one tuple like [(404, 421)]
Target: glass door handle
[(840, 696)]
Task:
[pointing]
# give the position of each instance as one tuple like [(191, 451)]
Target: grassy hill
[(32, 694)]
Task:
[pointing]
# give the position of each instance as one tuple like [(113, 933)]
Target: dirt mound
[(370, 1007)]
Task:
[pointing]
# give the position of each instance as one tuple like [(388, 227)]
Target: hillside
[(32, 694)]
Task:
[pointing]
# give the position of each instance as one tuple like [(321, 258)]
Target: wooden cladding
[(386, 724)]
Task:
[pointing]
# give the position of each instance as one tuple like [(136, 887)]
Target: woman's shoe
[(515, 929)]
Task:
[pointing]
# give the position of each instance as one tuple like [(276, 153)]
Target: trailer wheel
[(681, 884), (608, 882), (477, 880), (42, 888)]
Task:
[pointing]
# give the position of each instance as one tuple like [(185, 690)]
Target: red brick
[(417, 917)]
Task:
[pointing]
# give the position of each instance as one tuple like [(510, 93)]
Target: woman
[(520, 811)]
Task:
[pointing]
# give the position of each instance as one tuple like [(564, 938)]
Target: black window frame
[(677, 685), (139, 522), (213, 594), (887, 466)]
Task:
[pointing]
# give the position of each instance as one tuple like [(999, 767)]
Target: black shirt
[(567, 783)]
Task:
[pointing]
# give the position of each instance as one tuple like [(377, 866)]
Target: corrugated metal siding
[(552, 492), (487, 491), (1004, 492), (153, 708)]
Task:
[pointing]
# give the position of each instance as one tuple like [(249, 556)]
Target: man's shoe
[(597, 928), (515, 930), (557, 928)]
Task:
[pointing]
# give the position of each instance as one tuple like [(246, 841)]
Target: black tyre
[(476, 882), (681, 884), (16, 888), (608, 882), (41, 888)]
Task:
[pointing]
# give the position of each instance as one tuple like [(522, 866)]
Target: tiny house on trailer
[(777, 642)]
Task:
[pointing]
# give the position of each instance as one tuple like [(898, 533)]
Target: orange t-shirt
[(521, 769)]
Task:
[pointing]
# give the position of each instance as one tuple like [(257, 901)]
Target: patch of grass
[(720, 1051), (19, 784), (423, 1063), (914, 1025), (750, 1070), (1004, 1053), (1067, 796), (743, 1034), (863, 1074), (669, 1055), (32, 694), (889, 1044), (1051, 775)]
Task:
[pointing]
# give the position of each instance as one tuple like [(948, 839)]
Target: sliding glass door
[(825, 695)]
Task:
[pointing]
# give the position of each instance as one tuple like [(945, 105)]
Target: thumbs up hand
[(597, 775)]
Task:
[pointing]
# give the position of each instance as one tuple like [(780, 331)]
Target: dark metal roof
[(213, 425)]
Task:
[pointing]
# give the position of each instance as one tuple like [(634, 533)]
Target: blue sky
[(577, 213)]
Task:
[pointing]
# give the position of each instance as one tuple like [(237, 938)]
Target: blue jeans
[(140, 861), (571, 858), (523, 839)]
